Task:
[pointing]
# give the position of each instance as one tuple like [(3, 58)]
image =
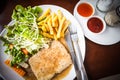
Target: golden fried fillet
[(48, 62)]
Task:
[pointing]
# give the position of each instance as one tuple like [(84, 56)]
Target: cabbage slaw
[(24, 33)]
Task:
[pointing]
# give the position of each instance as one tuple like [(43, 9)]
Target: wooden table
[(100, 61)]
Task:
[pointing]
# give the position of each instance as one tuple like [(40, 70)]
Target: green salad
[(23, 38)]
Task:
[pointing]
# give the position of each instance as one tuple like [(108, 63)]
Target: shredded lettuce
[(24, 32)]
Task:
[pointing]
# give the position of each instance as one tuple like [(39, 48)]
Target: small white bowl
[(85, 10), (96, 24)]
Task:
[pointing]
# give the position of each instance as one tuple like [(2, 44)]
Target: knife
[(76, 54), (1, 77)]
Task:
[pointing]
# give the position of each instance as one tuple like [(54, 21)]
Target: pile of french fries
[(53, 25)]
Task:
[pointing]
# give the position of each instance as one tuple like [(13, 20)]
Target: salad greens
[(24, 33)]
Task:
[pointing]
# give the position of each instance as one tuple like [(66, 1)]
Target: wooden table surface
[(100, 61)]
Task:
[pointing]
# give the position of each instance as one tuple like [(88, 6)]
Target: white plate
[(9, 74), (109, 37)]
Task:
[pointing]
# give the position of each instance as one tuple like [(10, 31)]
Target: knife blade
[(73, 56), (76, 53)]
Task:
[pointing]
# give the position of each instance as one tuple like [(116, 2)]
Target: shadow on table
[(1, 28), (3, 4)]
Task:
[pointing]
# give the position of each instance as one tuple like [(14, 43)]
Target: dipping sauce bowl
[(96, 24), (85, 9)]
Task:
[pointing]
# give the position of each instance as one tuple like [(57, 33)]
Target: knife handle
[(79, 57), (76, 66)]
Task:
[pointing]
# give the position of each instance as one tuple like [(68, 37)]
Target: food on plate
[(22, 37), (53, 25), (20, 71), (33, 44), (49, 62)]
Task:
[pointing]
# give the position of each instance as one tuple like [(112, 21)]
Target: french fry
[(60, 27), (54, 25), (55, 21), (63, 41), (41, 22), (66, 24), (47, 28), (62, 35), (60, 15), (55, 34), (40, 26), (53, 15), (44, 28), (47, 18), (45, 14), (50, 26), (47, 35), (56, 29)]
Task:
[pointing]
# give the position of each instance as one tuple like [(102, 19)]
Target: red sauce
[(95, 24), (85, 10)]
